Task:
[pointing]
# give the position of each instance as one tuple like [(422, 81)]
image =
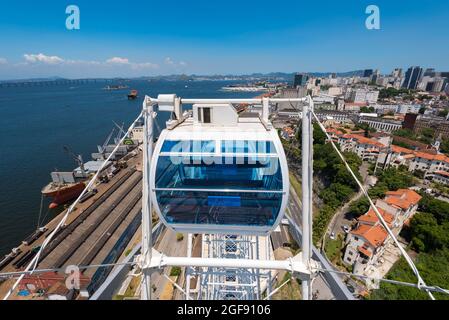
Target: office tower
[(367, 73), (300, 79), (412, 77)]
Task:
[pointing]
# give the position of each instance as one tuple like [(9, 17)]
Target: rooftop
[(374, 235), (363, 140), (402, 198), (442, 173), (365, 251), (398, 149), (371, 218)]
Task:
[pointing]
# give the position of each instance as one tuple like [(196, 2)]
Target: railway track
[(103, 219), (25, 258), (75, 234), (65, 232)]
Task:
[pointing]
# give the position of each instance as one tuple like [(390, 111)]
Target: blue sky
[(209, 37)]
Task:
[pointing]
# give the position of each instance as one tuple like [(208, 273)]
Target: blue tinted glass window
[(194, 207), (247, 146), (252, 173), (188, 146)]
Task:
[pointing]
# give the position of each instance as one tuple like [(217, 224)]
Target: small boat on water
[(115, 87), (132, 95)]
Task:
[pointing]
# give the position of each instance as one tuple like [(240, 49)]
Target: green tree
[(433, 267), (359, 207), (444, 146), (406, 133), (443, 113), (427, 135), (439, 209), (367, 109)]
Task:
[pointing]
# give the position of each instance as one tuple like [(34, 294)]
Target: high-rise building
[(397, 73), (412, 77), (363, 95), (430, 72), (367, 73), (438, 84), (375, 76), (300, 79)]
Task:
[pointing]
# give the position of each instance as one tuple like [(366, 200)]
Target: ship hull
[(65, 194)]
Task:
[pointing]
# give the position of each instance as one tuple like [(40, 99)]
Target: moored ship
[(62, 192), (132, 95), (66, 186)]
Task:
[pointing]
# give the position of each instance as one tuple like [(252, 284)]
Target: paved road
[(169, 246), (340, 219)]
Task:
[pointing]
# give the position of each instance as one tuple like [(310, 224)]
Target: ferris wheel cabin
[(214, 170)]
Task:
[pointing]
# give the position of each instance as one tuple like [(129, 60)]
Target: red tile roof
[(356, 104), (364, 140), (398, 149), (374, 235), (402, 198), (371, 218), (432, 157), (365, 251), (442, 173)]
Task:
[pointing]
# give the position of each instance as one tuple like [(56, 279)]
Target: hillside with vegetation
[(428, 234)]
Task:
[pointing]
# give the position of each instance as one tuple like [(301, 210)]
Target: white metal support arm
[(294, 265)]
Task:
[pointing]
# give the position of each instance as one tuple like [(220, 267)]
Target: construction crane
[(78, 158), (102, 148)]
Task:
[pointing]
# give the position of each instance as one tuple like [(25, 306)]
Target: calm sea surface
[(35, 124)]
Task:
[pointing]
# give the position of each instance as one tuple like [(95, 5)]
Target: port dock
[(98, 231)]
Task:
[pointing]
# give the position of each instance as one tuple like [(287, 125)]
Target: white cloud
[(83, 62), (114, 65), (3, 61), (144, 65), (170, 62), (34, 58), (118, 60), (134, 65)]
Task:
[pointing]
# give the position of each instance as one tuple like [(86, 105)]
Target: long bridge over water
[(55, 82)]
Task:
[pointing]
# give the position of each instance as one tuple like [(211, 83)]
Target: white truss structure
[(233, 283), (230, 258)]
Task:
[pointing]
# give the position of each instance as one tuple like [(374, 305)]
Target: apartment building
[(383, 125), (434, 166), (367, 149), (366, 243)]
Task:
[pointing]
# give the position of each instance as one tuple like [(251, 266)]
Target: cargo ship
[(132, 95), (67, 186), (62, 192)]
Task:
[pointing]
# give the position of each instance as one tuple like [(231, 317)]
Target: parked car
[(346, 228), (332, 236)]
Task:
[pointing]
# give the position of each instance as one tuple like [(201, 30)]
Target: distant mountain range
[(272, 75), (183, 77)]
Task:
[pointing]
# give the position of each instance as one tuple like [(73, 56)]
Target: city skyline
[(205, 38)]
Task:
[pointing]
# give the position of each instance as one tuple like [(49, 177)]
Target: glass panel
[(202, 172), (206, 115), (188, 146), (247, 146), (195, 207)]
